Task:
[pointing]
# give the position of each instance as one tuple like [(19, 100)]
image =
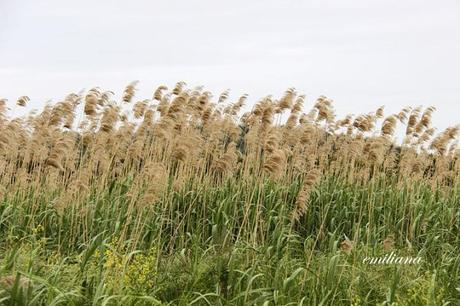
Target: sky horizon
[(360, 54)]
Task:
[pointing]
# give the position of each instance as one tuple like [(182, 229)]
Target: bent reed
[(184, 198)]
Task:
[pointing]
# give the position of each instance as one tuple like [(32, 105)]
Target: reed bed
[(184, 199)]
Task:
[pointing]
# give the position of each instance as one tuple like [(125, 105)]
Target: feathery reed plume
[(275, 162), (129, 92), (374, 148), (272, 141), (225, 165), (346, 246), (441, 142), (58, 151), (158, 94), (156, 176), (388, 243), (104, 98), (308, 134), (287, 100), (292, 121), (402, 115), (345, 122), (364, 123), (163, 106), (139, 108), (453, 148), (426, 136), (425, 121), (3, 108), (413, 118), (23, 100), (238, 105), (71, 101), (301, 204), (298, 105), (325, 110), (109, 118), (379, 112), (223, 96), (389, 126), (92, 101), (179, 88)]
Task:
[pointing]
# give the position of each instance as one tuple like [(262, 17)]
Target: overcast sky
[(360, 53)]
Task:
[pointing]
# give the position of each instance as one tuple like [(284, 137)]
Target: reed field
[(185, 198)]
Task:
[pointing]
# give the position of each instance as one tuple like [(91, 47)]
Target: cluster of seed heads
[(186, 133)]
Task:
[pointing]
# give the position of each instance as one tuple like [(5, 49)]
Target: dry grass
[(143, 154)]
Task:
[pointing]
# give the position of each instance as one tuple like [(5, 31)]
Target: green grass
[(232, 244)]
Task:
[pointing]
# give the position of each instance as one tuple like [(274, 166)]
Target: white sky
[(360, 53)]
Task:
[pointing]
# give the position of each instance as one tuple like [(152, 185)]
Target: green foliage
[(234, 244)]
